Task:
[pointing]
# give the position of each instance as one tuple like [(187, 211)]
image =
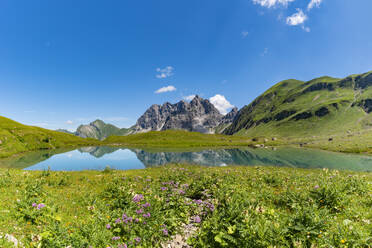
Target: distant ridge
[(100, 130)]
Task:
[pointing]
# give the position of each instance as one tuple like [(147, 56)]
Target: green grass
[(17, 138), (178, 139), (237, 206)]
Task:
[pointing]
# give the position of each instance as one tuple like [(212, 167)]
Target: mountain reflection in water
[(97, 158)]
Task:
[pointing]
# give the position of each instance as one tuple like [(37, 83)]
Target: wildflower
[(316, 187), (181, 192), (146, 205), (108, 226), (148, 215), (197, 219), (136, 220), (164, 188), (122, 246), (34, 205), (138, 239), (343, 241), (138, 198), (118, 220), (40, 206), (115, 238), (139, 211), (165, 232), (124, 216)]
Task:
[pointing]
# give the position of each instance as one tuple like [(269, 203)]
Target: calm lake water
[(97, 158)]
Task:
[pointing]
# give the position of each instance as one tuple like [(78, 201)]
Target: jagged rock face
[(229, 117), (197, 116)]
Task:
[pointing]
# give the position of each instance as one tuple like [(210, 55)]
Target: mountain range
[(199, 115), (323, 106), (328, 113)]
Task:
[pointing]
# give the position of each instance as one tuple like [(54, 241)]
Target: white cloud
[(272, 3), (265, 51), (220, 102), (297, 18), (166, 89), (189, 98), (244, 34), (69, 122), (314, 3), (165, 72)]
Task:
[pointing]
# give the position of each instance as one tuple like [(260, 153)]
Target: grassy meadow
[(199, 206), (18, 138)]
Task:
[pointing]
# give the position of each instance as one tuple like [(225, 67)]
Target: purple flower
[(138, 239), (34, 205), (138, 198), (136, 220), (316, 187), (118, 220), (181, 192), (165, 232), (108, 226), (123, 246), (148, 215), (124, 216), (197, 219), (139, 211), (164, 188), (146, 205), (40, 206), (198, 202), (115, 238)]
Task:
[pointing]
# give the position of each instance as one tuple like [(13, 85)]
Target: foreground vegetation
[(223, 207), (17, 138)]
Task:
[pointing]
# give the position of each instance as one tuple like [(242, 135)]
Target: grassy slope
[(16, 138), (178, 139), (346, 122), (253, 207)]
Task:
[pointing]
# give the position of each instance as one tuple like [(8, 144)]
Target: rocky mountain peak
[(200, 115)]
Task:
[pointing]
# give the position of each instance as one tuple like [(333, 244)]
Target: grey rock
[(197, 116)]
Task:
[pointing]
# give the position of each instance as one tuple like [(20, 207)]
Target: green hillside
[(17, 138), (321, 109), (100, 130)]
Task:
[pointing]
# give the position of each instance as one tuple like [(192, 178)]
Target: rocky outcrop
[(197, 116), (229, 117)]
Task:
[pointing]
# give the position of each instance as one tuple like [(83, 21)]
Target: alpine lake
[(122, 158)]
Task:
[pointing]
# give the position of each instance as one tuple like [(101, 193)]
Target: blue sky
[(63, 63)]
